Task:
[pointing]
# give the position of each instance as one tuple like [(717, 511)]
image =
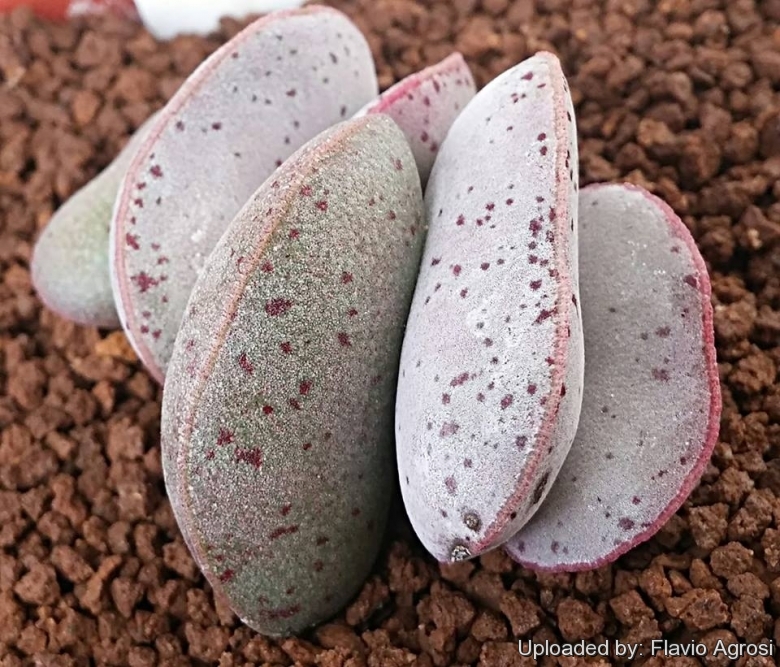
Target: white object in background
[(168, 18)]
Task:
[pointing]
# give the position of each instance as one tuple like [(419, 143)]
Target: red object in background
[(62, 9)]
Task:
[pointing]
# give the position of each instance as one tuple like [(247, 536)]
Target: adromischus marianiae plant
[(492, 364), (278, 406)]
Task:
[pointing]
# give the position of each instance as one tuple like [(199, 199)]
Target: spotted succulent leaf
[(278, 407), (652, 404), (491, 372), (266, 92)]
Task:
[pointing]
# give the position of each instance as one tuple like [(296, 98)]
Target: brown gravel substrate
[(680, 96)]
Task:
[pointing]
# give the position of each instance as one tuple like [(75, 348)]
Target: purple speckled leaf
[(491, 372), (270, 89), (651, 409), (425, 105), (278, 407), (70, 261)]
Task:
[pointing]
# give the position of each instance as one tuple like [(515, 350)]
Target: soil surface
[(680, 96)]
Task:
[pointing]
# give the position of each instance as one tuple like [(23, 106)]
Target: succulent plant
[(425, 104), (278, 406), (266, 92), (652, 404), (70, 262), (492, 363)]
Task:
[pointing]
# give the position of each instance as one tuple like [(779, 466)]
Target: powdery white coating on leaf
[(277, 413), (70, 261), (652, 403), (273, 87), (425, 105), (491, 370)]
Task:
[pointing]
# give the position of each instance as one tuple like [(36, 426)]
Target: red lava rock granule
[(680, 96)]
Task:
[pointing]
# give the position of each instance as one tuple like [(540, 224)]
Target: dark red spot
[(318, 565), (286, 509), (267, 267), (635, 500), (528, 77), (554, 546), (322, 540), (484, 266), (691, 280), (435, 261), (304, 387), (144, 281), (226, 576), (286, 347), (225, 437), (392, 216), (307, 447), (663, 332), (543, 150), (294, 404), (210, 454), (180, 126), (459, 380), (536, 284), (445, 399), (245, 364), (306, 191), (541, 137), (452, 485), (456, 269), (352, 312), (461, 220), (626, 524), (481, 397), (661, 375), (346, 277), (521, 441), (563, 390), (398, 164), (290, 590), (344, 340), (281, 531), (276, 307), (467, 463), (291, 93), (543, 315), (531, 389), (156, 171), (268, 410), (322, 205), (487, 342), (216, 126), (253, 457), (448, 429), (294, 234), (535, 226), (132, 241), (506, 401), (683, 460)]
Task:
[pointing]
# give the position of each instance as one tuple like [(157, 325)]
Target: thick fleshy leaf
[(70, 261), (270, 89), (426, 104), (278, 408), (491, 372), (651, 410)]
